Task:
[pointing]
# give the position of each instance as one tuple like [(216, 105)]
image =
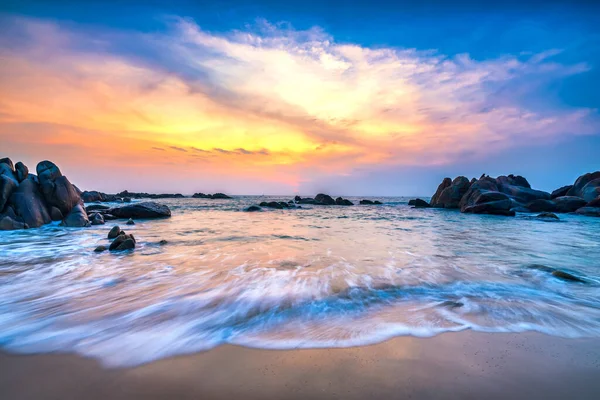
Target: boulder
[(252, 208), (306, 200), (56, 188), (565, 276), (9, 224), (21, 171), (29, 205), (594, 203), (370, 202), (482, 185), (589, 211), (566, 204), (446, 183), (123, 242), (147, 209), (324, 199), (523, 194), (100, 249), (274, 204), (450, 197), (513, 180), (419, 203), (343, 202), (560, 192), (114, 232), (7, 187), (96, 207), (547, 215), (92, 196), (591, 190), (97, 219), (130, 222), (76, 218), (581, 182), (489, 202), (541, 205), (220, 196), (7, 161), (55, 214)]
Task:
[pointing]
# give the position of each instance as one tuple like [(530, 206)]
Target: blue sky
[(556, 44)]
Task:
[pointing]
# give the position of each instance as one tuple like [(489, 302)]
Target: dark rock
[(343, 202), (581, 182), (488, 202), (565, 276), (523, 194), (589, 211), (55, 214), (29, 205), (305, 200), (252, 209), (93, 196), (452, 304), (513, 180), (210, 196), (7, 187), (100, 249), (126, 199), (146, 209), (566, 204), (594, 203), (163, 242), (590, 191), (560, 192), (76, 218), (541, 267), (547, 215), (123, 242), (114, 232), (220, 196), (7, 161), (450, 197), (96, 207), (370, 202), (109, 217), (21, 171), (324, 199), (542, 205), (56, 188), (446, 183), (484, 184), (98, 219), (9, 224), (419, 203), (130, 222)]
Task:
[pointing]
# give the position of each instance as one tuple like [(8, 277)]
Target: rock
[(123, 242), (126, 199), (130, 222), (98, 219), (96, 207), (100, 249), (220, 196), (201, 196), (450, 197), (565, 276), (589, 211), (114, 232), (566, 204), (93, 196), (452, 304), (272, 204), (343, 202), (29, 205), (210, 196), (146, 209), (446, 183), (7, 187), (163, 242), (305, 200), (370, 202), (523, 194), (541, 205), (76, 218), (55, 214), (547, 215), (56, 188), (419, 203), (594, 203), (581, 182), (487, 202), (21, 171), (560, 192), (590, 191), (324, 199), (484, 184), (7, 161), (9, 224), (109, 217), (252, 209), (513, 181)]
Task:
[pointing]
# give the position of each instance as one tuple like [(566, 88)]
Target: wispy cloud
[(178, 149)]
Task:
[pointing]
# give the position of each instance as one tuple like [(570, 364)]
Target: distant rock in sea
[(210, 196), (370, 202), (322, 199)]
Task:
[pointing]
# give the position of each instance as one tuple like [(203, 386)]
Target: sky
[(347, 98)]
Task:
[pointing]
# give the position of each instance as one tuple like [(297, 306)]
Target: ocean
[(313, 277)]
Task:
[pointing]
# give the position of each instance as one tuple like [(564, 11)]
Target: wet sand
[(463, 365)]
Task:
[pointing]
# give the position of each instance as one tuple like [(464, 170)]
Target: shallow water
[(311, 277)]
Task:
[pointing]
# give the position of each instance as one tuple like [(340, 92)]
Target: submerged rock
[(565, 276), (146, 209), (589, 211), (130, 222), (114, 232), (252, 209), (163, 242), (547, 215), (370, 202), (419, 203), (123, 241), (343, 202), (452, 304), (100, 249)]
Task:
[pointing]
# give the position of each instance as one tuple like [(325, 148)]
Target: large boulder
[(581, 182), (541, 205), (513, 180), (324, 199), (77, 218), (566, 204), (7, 161), (9, 224), (7, 187), (92, 196), (591, 190), (523, 194), (29, 205), (147, 209), (343, 202), (489, 202), (419, 203), (450, 197), (55, 214), (441, 187), (589, 211), (594, 203), (56, 188), (482, 185), (561, 191), (21, 171)]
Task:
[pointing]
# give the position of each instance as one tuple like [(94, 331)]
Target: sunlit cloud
[(289, 105)]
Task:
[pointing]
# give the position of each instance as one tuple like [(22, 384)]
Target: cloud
[(271, 98), (158, 148)]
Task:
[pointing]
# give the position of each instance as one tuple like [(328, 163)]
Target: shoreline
[(453, 365)]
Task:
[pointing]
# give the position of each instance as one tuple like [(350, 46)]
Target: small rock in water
[(419, 203), (97, 219), (565, 276), (547, 215), (252, 209), (452, 304), (100, 249), (123, 242), (114, 232), (163, 242), (130, 222)]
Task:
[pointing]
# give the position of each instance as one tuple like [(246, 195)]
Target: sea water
[(319, 276)]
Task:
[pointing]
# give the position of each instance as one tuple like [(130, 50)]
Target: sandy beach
[(463, 365)]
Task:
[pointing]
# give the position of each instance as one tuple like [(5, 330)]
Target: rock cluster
[(210, 196), (506, 195), (323, 200)]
